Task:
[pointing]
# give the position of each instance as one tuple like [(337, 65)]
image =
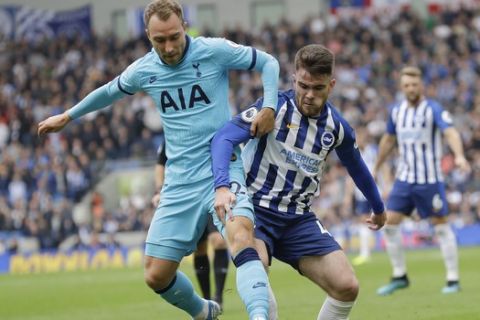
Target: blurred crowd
[(41, 179)]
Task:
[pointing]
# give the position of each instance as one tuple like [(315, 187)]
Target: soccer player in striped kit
[(284, 169), (415, 126)]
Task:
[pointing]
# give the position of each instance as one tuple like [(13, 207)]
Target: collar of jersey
[(187, 46)]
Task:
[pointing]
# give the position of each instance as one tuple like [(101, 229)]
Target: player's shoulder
[(211, 43), (334, 112), (143, 64), (434, 104), (394, 106)]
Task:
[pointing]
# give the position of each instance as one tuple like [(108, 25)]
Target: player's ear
[(294, 79), (184, 25), (333, 81)]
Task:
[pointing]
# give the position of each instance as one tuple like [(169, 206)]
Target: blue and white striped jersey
[(418, 131), (284, 176)]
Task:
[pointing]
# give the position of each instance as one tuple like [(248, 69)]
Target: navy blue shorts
[(290, 237), (429, 199)]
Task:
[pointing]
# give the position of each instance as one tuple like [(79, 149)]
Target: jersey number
[(322, 228)]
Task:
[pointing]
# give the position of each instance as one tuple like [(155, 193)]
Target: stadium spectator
[(414, 127), (283, 173)]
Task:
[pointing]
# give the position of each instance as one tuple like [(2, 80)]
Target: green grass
[(121, 294)]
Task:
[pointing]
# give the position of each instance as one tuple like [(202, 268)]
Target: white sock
[(448, 246), (364, 237), (335, 310), (272, 305), (393, 241)]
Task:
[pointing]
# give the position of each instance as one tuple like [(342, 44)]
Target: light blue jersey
[(192, 97)]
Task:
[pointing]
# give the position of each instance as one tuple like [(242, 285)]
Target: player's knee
[(155, 280), (348, 289), (240, 240)]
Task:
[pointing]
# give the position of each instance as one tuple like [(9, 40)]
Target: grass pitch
[(120, 294)]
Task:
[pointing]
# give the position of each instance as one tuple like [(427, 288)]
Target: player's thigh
[(430, 200), (178, 222), (401, 198), (332, 272), (262, 250), (243, 206)]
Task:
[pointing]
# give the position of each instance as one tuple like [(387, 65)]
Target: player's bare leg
[(334, 274), (172, 285)]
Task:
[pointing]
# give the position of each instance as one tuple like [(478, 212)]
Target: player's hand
[(376, 221), (224, 201), (263, 122), (462, 164), (53, 124), (156, 199)]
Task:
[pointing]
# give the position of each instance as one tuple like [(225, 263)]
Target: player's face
[(167, 37), (311, 92), (412, 88)]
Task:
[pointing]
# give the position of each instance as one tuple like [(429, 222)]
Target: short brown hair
[(163, 9), (411, 71), (316, 59)]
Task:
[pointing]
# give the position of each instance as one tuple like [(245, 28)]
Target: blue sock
[(180, 293), (252, 282)]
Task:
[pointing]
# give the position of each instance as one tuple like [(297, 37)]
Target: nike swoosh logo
[(291, 126), (259, 285)]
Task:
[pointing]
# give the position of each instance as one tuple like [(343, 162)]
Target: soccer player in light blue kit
[(188, 80), (415, 125), (284, 169)]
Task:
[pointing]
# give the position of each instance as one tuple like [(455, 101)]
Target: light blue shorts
[(182, 215)]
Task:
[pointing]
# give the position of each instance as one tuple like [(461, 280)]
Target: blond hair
[(411, 71)]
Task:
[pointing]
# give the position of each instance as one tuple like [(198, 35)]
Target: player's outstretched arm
[(53, 124), (358, 170), (270, 69), (97, 99), (386, 146), (455, 143)]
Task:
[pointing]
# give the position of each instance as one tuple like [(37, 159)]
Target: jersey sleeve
[(391, 123), (235, 56), (442, 117), (222, 146), (128, 82), (351, 158), (245, 118)]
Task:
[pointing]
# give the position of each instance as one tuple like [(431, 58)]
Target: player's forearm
[(95, 100), (454, 142), (270, 70), (364, 181), (386, 146), (221, 148)]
